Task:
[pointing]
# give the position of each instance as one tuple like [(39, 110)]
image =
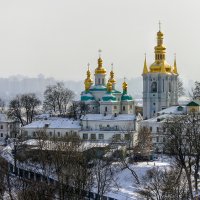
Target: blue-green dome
[(87, 97), (126, 97), (109, 97)]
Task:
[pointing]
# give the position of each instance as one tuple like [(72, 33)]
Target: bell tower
[(159, 81)]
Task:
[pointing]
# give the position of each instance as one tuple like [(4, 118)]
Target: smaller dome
[(100, 69)]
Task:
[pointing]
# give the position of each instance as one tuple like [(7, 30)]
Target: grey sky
[(59, 37)]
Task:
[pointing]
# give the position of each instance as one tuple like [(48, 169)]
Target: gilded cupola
[(124, 86), (100, 69), (160, 64), (88, 81)]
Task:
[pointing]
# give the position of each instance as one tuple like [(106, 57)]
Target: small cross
[(88, 65), (100, 51), (124, 79), (112, 66), (159, 26), (175, 55)]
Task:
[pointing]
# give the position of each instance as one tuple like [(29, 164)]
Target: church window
[(1, 134), (58, 134), (154, 104), (93, 136), (85, 136), (101, 136), (131, 106), (115, 107), (124, 108), (103, 81), (106, 109), (154, 87), (99, 82), (1, 126), (157, 139)]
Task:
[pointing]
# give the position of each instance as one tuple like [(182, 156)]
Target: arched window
[(106, 109), (154, 87)]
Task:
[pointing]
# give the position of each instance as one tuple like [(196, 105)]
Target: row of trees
[(57, 100)]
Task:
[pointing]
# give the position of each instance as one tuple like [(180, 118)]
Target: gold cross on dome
[(100, 51), (159, 26)]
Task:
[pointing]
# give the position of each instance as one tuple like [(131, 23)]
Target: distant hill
[(11, 86)]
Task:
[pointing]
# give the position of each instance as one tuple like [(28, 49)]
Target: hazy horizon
[(59, 38)]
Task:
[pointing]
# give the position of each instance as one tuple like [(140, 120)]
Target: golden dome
[(88, 81), (100, 69), (112, 74), (157, 66), (109, 86), (124, 85)]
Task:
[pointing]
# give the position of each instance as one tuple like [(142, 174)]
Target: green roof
[(126, 97), (87, 96), (194, 103), (109, 97)]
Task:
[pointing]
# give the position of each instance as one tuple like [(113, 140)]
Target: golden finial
[(175, 67), (145, 69)]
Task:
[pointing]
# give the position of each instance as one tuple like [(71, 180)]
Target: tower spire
[(175, 67), (145, 69)]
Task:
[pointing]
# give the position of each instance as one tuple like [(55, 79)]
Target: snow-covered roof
[(173, 110), (54, 123), (101, 117)]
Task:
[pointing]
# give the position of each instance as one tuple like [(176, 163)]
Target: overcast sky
[(59, 37)]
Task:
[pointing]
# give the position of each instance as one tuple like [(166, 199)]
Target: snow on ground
[(128, 188)]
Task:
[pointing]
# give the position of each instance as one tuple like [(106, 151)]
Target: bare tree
[(183, 142), (164, 184), (195, 94), (77, 108), (2, 106), (143, 147), (23, 108), (57, 98), (181, 90)]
